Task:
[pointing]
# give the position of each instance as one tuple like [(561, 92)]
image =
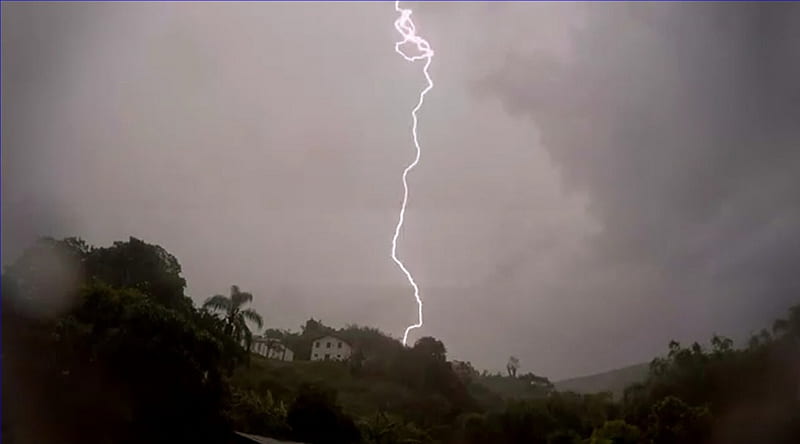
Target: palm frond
[(247, 339), (252, 316), (240, 298), (217, 302)]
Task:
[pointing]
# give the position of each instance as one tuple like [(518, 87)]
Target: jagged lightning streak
[(405, 26)]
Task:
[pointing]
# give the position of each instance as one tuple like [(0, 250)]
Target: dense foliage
[(126, 360), (101, 345)]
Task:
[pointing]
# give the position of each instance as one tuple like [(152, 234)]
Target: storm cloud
[(596, 179), (680, 122)]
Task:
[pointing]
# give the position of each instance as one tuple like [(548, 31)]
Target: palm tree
[(234, 316)]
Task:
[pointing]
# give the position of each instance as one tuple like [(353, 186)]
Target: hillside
[(613, 381), (359, 396)]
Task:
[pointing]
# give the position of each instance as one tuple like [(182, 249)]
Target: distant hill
[(613, 381)]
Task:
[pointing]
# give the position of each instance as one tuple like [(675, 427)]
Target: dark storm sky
[(595, 179)]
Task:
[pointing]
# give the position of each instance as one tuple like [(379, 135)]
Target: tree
[(512, 366), (788, 327), (475, 429), (50, 272), (564, 437), (122, 368), (257, 413), (431, 347), (673, 421), (233, 354), (616, 432), (236, 317), (464, 370), (312, 326), (383, 428), (46, 277), (135, 264), (749, 393), (524, 421), (315, 417), (537, 384)]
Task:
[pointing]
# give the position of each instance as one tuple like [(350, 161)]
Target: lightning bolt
[(405, 26)]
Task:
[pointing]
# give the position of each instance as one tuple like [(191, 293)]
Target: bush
[(616, 432), (251, 412), (315, 418)]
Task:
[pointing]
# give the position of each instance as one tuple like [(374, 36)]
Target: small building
[(271, 348), (330, 348)]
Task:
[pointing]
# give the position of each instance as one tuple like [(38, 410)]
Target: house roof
[(266, 339), (331, 335)]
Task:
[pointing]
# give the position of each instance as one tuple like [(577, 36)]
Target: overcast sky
[(596, 179)]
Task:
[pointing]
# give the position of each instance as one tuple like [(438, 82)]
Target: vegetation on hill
[(101, 345)]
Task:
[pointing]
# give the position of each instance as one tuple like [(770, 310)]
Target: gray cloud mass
[(596, 179)]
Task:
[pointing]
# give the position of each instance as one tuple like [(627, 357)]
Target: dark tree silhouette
[(236, 317)]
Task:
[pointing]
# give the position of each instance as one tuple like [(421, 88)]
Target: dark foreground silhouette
[(101, 345)]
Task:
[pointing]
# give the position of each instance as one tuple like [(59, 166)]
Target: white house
[(330, 348), (271, 348)]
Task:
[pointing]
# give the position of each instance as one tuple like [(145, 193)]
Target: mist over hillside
[(614, 381)]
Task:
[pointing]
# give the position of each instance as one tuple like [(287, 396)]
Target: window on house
[(327, 356), (338, 356), (340, 345), (316, 355), (316, 345), (328, 345)]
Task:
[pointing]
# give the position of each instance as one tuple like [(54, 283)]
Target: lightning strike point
[(405, 26)]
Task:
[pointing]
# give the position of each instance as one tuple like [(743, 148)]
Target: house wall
[(330, 348), (280, 353), (275, 350)]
